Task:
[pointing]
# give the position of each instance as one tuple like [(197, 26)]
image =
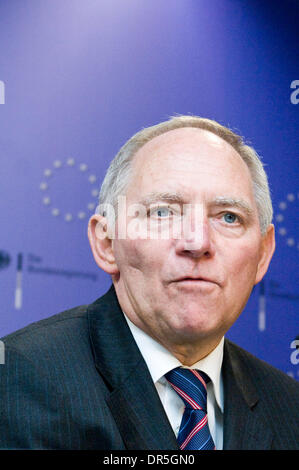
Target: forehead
[(192, 160)]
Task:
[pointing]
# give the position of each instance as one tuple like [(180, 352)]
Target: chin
[(195, 326)]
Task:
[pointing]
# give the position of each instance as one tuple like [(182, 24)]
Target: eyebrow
[(232, 202)]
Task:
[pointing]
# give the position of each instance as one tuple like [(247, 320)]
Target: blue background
[(81, 76)]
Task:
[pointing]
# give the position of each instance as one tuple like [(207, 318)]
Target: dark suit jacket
[(78, 381)]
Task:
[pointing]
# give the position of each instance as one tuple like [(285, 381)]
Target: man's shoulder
[(49, 332), (265, 376), (270, 394), (51, 322), (64, 335)]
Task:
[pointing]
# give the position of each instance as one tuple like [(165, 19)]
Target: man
[(184, 229)]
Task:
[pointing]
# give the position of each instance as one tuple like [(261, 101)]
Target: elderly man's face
[(191, 288)]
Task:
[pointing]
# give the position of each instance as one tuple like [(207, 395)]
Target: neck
[(190, 353)]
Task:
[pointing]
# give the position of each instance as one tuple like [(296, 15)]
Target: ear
[(101, 244), (267, 250)]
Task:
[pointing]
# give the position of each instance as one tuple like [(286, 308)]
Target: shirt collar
[(160, 361)]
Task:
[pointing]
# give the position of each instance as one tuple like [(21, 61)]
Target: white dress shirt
[(160, 361)]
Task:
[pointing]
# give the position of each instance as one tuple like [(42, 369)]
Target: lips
[(196, 279)]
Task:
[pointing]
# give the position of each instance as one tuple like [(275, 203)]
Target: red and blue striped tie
[(191, 386)]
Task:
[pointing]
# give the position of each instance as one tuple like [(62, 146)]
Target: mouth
[(195, 280)]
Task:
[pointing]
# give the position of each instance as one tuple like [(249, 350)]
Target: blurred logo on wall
[(33, 264), (5, 259), (285, 220)]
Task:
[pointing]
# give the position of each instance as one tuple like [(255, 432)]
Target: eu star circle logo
[(285, 219), (56, 180)]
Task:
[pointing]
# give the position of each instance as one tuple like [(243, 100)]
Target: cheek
[(127, 255), (242, 266), (139, 256)]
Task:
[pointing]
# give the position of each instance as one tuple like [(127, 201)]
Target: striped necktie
[(194, 433)]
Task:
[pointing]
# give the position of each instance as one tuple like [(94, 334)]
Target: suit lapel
[(133, 401), (244, 422), (140, 415)]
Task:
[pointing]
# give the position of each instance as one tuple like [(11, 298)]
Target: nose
[(197, 239)]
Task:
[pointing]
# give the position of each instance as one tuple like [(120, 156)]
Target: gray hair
[(119, 172)]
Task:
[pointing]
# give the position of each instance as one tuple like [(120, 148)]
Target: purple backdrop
[(78, 77)]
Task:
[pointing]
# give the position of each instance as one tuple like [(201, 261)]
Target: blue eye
[(162, 212), (230, 218)]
